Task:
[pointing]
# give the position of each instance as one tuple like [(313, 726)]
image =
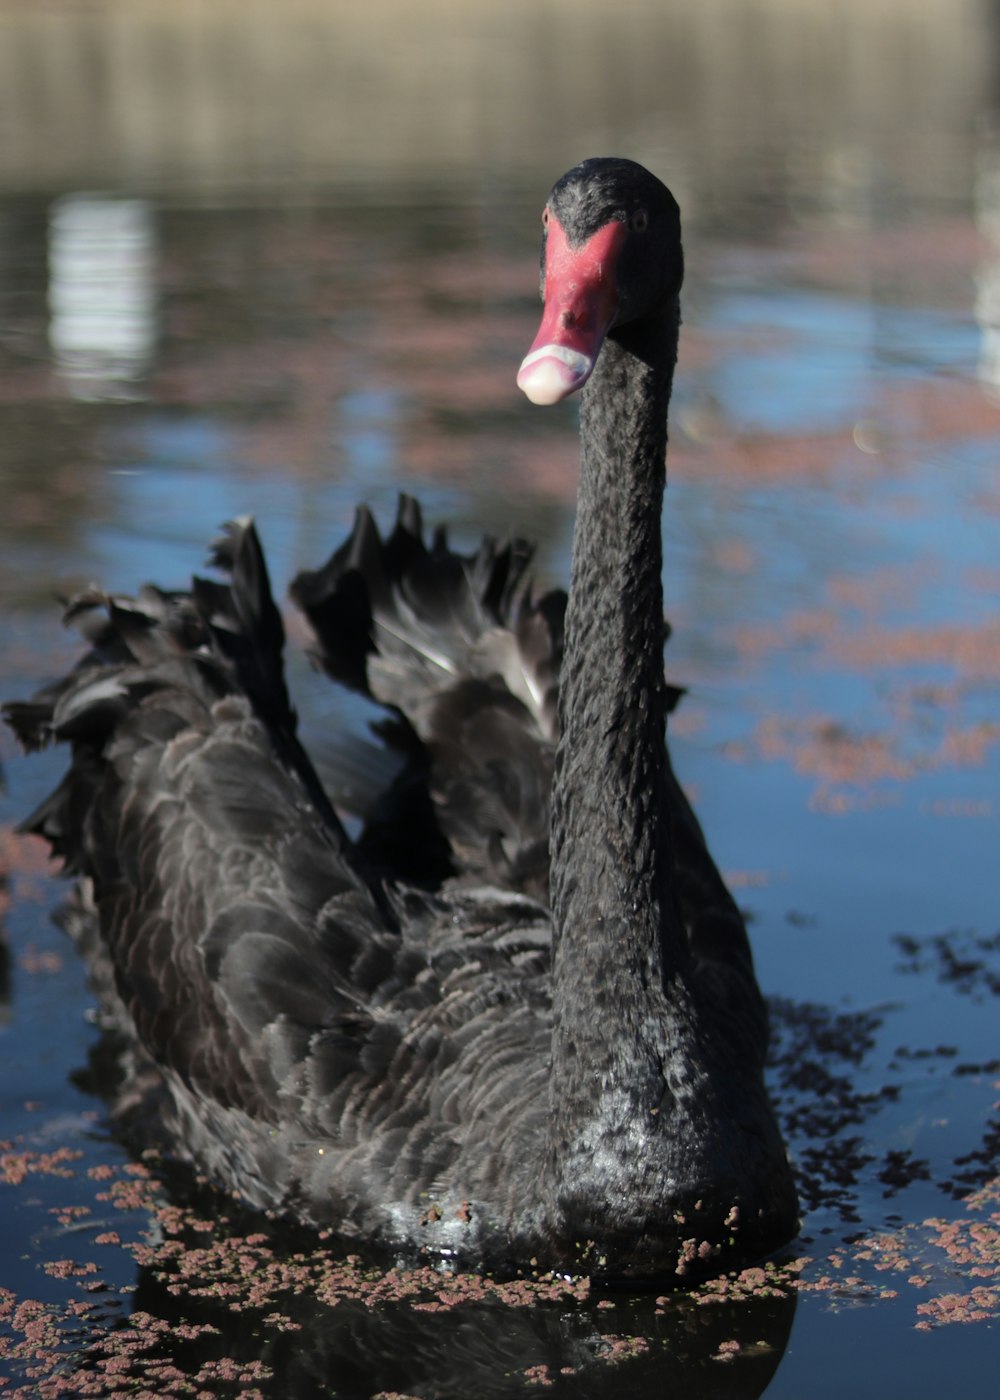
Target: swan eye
[(639, 221), (545, 217)]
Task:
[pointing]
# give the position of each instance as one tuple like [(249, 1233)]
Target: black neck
[(616, 926)]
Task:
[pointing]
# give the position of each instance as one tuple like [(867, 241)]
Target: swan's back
[(465, 656), (327, 1046)]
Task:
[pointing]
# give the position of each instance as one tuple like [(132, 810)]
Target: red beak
[(581, 302)]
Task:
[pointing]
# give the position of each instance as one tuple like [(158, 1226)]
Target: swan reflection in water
[(516, 1024), (729, 1351)]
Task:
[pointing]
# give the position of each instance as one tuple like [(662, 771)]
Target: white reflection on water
[(102, 296), (986, 194)]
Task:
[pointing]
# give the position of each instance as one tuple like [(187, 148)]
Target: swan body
[(516, 1025)]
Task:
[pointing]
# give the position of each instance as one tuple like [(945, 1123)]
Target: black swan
[(568, 1080)]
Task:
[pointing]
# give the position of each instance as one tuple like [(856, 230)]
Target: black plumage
[(517, 1023)]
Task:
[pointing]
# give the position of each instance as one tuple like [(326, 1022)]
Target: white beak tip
[(551, 373)]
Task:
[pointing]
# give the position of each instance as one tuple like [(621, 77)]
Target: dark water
[(209, 308)]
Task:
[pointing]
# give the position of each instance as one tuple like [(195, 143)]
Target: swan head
[(611, 253)]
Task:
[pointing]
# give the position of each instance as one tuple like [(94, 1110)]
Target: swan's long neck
[(617, 930)]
